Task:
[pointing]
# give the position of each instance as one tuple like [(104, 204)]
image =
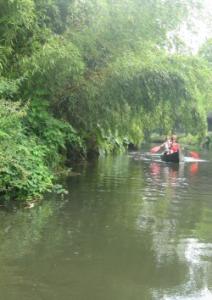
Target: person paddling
[(174, 146), (166, 145), (169, 146)]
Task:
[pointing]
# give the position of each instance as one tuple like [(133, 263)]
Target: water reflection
[(194, 167), (172, 182), (173, 170), (129, 229)]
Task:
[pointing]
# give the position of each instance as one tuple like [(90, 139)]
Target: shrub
[(23, 172)]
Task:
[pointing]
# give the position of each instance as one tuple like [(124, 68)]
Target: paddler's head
[(173, 138)]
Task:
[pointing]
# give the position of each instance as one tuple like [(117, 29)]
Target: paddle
[(194, 154), (155, 149)]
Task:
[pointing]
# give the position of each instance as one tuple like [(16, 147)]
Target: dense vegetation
[(84, 77)]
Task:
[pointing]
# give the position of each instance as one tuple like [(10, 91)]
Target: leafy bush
[(57, 135), (23, 173)]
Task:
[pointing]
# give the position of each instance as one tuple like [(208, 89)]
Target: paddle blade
[(194, 154), (155, 149)]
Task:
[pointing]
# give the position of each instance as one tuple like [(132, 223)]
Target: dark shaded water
[(129, 229)]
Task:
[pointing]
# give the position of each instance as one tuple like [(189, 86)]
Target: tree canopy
[(93, 76)]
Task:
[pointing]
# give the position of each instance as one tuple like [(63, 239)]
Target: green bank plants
[(62, 141), (191, 140), (24, 175)]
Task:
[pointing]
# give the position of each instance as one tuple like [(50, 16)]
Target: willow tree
[(95, 75), (130, 85), (205, 53)]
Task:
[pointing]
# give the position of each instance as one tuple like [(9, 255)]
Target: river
[(131, 228)]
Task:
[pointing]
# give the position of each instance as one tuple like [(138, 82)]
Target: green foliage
[(53, 67), (23, 173), (190, 140), (206, 51), (8, 88), (56, 135), (95, 76), (143, 93), (105, 28)]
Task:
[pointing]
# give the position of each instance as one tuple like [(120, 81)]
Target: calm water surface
[(130, 229)]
